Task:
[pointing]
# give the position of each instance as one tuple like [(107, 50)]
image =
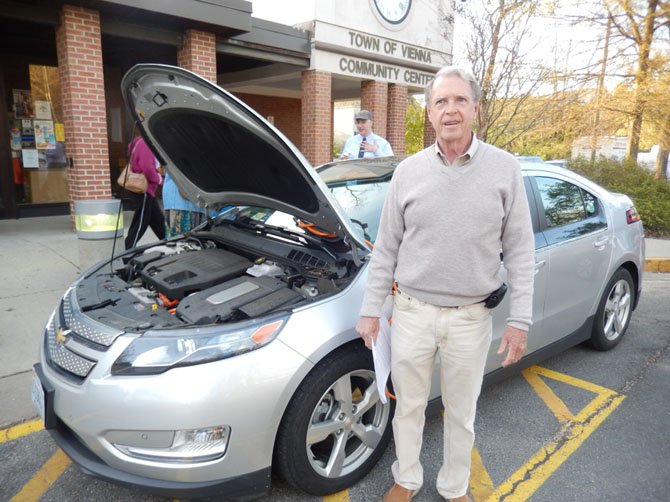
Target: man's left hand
[(514, 341), (370, 146)]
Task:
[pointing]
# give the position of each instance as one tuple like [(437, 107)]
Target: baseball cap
[(363, 115)]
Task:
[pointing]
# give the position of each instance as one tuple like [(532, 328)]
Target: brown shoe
[(399, 493)]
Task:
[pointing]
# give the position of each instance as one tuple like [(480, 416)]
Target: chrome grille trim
[(62, 357), (77, 329), (84, 326)]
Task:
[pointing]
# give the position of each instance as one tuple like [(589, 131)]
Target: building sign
[(370, 70), (345, 51), (358, 43)]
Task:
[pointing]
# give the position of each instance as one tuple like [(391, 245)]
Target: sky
[(282, 11)]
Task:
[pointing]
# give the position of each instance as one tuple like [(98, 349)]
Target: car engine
[(204, 279)]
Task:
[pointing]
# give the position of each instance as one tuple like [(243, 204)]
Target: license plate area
[(37, 396), (42, 395)]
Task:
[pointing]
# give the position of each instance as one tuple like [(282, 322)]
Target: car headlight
[(158, 351)]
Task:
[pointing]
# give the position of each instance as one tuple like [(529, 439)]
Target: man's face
[(452, 109), (364, 127)]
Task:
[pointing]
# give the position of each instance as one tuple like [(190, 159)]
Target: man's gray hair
[(448, 71)]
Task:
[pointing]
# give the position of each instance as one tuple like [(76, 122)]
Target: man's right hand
[(368, 328)]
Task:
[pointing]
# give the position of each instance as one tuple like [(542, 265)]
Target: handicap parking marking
[(521, 485), (575, 429)]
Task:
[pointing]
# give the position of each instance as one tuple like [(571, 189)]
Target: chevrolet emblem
[(62, 335)]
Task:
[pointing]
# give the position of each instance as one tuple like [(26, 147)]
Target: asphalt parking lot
[(583, 425)]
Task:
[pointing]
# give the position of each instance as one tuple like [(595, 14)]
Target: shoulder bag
[(132, 181)]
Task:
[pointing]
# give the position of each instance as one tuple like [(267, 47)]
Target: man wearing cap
[(365, 143)]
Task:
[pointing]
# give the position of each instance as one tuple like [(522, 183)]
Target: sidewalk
[(39, 258), (658, 255)]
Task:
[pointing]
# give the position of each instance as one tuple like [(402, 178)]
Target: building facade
[(61, 64)]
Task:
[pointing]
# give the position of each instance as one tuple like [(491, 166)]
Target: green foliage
[(650, 195), (414, 127)]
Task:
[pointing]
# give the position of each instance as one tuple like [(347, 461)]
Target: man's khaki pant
[(462, 337)]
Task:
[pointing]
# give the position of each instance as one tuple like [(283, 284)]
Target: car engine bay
[(218, 276)]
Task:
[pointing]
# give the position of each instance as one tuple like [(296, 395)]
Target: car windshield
[(359, 187)]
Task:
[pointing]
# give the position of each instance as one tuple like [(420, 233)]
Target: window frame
[(556, 235)]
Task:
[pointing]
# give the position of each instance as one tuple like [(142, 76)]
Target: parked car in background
[(200, 365), (557, 162), (529, 158)]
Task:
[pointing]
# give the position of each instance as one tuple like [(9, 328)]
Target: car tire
[(335, 428), (614, 311)]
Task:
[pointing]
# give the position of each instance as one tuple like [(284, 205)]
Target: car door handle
[(539, 265), (601, 242)]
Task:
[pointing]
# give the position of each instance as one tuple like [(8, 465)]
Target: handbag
[(132, 181)]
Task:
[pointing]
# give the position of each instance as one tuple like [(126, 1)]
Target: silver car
[(201, 365)]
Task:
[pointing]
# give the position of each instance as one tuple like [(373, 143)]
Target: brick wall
[(199, 53), (397, 112), (374, 97), (286, 113), (317, 120), (83, 93)]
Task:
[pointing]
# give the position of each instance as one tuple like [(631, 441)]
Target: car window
[(569, 210), (540, 240)]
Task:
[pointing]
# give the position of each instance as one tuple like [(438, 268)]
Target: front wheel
[(614, 311), (335, 428)]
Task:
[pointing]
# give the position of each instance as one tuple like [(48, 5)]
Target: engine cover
[(181, 274), (247, 296)]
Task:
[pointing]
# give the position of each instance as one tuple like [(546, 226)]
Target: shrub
[(650, 195)]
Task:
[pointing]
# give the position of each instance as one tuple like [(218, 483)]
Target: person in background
[(181, 215), (365, 143), (449, 212), (147, 212)]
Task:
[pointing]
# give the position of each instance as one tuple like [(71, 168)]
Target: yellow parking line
[(20, 430), (557, 407), (43, 479), (575, 382), (481, 484), (342, 496), (525, 481)]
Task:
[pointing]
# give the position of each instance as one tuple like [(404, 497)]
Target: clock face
[(393, 11)]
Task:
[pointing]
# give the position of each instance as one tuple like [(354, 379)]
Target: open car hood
[(221, 152)]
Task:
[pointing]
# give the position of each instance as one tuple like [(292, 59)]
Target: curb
[(657, 265)]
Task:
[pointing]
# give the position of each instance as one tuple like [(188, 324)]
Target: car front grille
[(74, 342)]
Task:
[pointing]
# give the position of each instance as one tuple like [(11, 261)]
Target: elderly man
[(449, 212), (365, 143)]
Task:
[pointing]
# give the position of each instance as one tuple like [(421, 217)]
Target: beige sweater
[(442, 230)]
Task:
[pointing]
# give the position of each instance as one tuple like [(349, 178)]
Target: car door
[(542, 265), (579, 249)]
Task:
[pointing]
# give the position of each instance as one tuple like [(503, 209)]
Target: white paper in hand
[(381, 355)]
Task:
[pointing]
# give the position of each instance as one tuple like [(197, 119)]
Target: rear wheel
[(614, 311), (335, 428)]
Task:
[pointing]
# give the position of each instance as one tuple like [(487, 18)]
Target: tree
[(414, 126), (658, 111), (638, 21), (499, 52)]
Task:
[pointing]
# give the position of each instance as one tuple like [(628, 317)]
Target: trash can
[(97, 219), (99, 227)]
